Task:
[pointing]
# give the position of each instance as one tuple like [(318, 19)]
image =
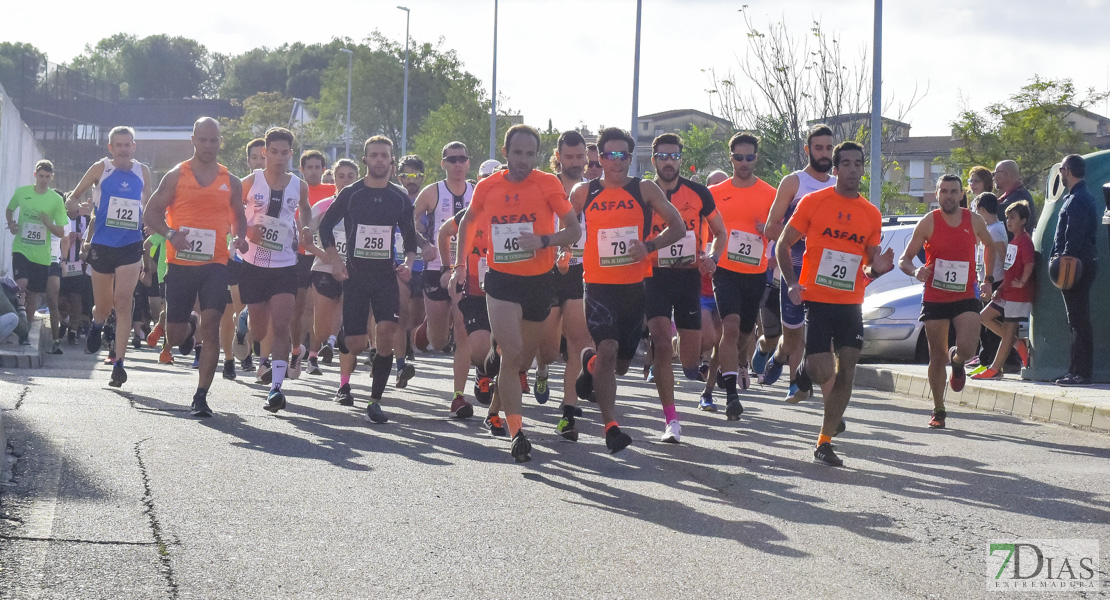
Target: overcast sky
[(571, 61)]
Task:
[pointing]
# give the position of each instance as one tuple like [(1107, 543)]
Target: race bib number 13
[(950, 275)]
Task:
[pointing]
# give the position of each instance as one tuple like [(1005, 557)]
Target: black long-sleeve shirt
[(1075, 229), (359, 204)]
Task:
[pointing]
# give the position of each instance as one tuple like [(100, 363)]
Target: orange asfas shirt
[(614, 217), (507, 208), (695, 204), (837, 231), (741, 208), (205, 209)]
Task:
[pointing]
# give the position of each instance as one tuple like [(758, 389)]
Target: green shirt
[(33, 240), (158, 246)]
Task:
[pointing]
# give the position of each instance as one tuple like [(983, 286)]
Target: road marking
[(40, 519)]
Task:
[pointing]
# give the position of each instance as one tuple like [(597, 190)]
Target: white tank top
[(275, 210), (807, 184), (577, 248), (447, 205)]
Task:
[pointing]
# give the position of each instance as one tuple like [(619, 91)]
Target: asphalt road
[(120, 494)]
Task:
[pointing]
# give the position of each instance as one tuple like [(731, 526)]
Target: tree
[(463, 118), (261, 112), (157, 66), (294, 70), (12, 57), (1030, 128)]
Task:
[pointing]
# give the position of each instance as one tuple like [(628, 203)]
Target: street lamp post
[(876, 188), (347, 130), (493, 96), (634, 168), (405, 104)]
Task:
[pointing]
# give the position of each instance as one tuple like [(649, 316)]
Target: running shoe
[(186, 347), (743, 378), (1072, 380), (247, 364), (57, 349), (974, 362), (374, 413), (92, 341), (483, 392), (495, 426), (314, 366), (672, 433), (493, 362), (824, 454), (706, 403), (987, 374), (1022, 349), (693, 374), (524, 383), (111, 360), (196, 357), (703, 370), (343, 395), (840, 427), (239, 347), (119, 376), (977, 370), (229, 369), (801, 388), (155, 335), (72, 337), (772, 371), (616, 440), (521, 448), (460, 408), (199, 407), (733, 408), (937, 419), (565, 428), (404, 374), (264, 375), (326, 353), (649, 376), (958, 378), (540, 391), (275, 401), (295, 364), (136, 342), (584, 384), (165, 357), (759, 360)]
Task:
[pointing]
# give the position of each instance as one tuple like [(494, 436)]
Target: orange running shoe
[(154, 336), (1022, 348), (166, 357)]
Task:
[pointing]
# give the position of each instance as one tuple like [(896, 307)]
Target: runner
[(949, 235), (195, 207), (593, 164), (842, 232), (410, 174), (42, 216), (520, 205), (618, 213), (313, 163), (277, 213), (371, 209), (792, 188), (674, 289), (1013, 301), (469, 310), (328, 292), (739, 283), (243, 346), (75, 293)]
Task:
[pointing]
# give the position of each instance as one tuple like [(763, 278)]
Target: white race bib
[(73, 268), (744, 247), (614, 245), (201, 246), (372, 241), (950, 275), (33, 234), (506, 242), (837, 270), (483, 268), (682, 251), (123, 213), (340, 235), (399, 247), (276, 234), (1011, 256)]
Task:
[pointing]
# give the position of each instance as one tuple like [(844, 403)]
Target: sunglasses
[(666, 155), (456, 159), (616, 155), (409, 175), (744, 157), (593, 164)]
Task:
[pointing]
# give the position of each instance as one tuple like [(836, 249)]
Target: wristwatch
[(170, 233)]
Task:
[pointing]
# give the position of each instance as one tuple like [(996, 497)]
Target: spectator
[(986, 205), (13, 316), (1013, 301), (1011, 189), (980, 181), (1075, 236)]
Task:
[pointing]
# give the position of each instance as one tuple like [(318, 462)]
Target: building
[(648, 127), (164, 127)]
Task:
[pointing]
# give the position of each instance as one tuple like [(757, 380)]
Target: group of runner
[(511, 271)]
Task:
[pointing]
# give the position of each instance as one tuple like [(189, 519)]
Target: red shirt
[(950, 253), (1022, 253)]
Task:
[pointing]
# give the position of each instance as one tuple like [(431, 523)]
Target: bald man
[(1007, 178)]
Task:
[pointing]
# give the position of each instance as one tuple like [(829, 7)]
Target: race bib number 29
[(837, 270)]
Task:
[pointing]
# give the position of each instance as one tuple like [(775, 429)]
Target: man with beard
[(815, 177), (743, 202), (410, 174), (674, 287), (948, 235), (313, 165), (593, 166), (843, 231)]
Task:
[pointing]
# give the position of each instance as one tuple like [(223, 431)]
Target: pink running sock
[(669, 413), (344, 380)]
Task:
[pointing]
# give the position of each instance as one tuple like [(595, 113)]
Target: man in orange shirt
[(202, 201), (617, 211), (741, 276), (842, 232), (519, 205)]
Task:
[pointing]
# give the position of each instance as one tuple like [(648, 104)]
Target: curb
[(1027, 405), (20, 358)]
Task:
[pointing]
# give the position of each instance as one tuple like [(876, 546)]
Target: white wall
[(18, 154)]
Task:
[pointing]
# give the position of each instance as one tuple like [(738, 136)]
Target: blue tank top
[(119, 217)]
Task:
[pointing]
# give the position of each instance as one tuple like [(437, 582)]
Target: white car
[(891, 306)]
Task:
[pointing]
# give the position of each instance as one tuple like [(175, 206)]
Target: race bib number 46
[(681, 252), (744, 247), (950, 275), (123, 213), (614, 245), (201, 246), (506, 242), (372, 241), (837, 270)]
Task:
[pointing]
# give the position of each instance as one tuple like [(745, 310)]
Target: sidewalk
[(14, 356), (1087, 407)]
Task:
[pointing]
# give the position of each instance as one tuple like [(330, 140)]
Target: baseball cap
[(488, 167)]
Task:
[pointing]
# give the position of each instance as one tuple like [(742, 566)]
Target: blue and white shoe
[(759, 360), (707, 404), (772, 371)]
